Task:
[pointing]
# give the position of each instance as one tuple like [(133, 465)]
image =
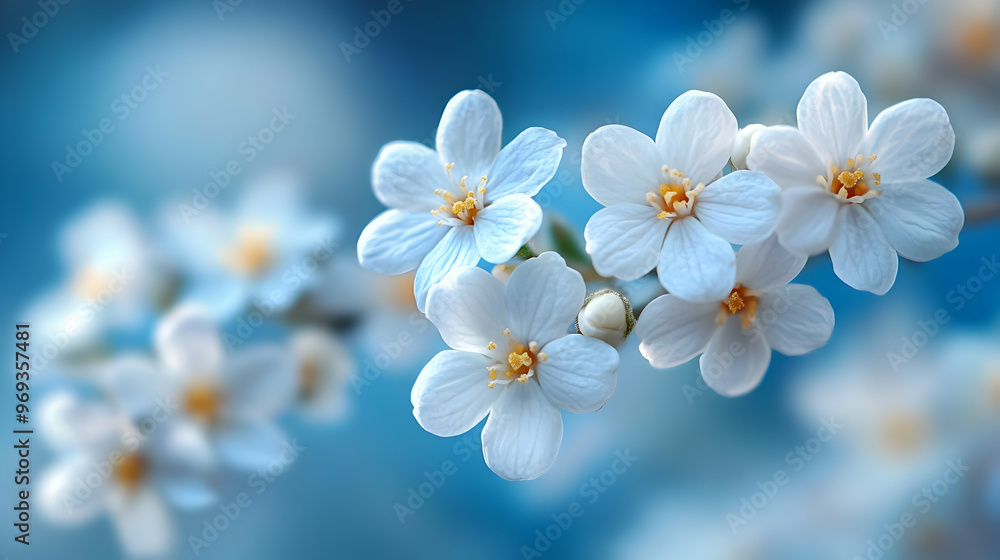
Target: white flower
[(606, 315), (466, 201), (666, 203), (736, 334), (862, 193), (741, 145), (129, 468), (325, 368), (513, 359), (234, 399)]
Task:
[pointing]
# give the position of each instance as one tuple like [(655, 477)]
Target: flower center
[(252, 254), (741, 301), (203, 402), (90, 281), (308, 379), (460, 209), (904, 432), (675, 197), (520, 359), (853, 183), (131, 471)]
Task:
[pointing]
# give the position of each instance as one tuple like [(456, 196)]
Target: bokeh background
[(220, 72)]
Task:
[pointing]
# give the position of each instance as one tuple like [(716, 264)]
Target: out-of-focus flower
[(606, 315), (133, 471), (735, 336), (666, 205), (325, 368), (265, 253), (234, 398), (861, 193), (514, 360), (467, 200)]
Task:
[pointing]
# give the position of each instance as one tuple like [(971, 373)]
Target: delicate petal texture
[(913, 140), (143, 523), (450, 395), (795, 319), (469, 309), (696, 135), (741, 207), (833, 113), (579, 373), (522, 435), (624, 240), (735, 360), (260, 381), (396, 241), (672, 331), (921, 220), (543, 297), (469, 134), (188, 342), (862, 256), (785, 155), (767, 265), (457, 248), (249, 444), (620, 164), (808, 215), (696, 264), (405, 175), (504, 226), (526, 164)]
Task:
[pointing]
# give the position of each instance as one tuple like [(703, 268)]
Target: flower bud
[(742, 144), (606, 315)]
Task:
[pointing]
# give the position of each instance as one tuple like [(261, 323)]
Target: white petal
[(579, 373), (405, 175), (795, 319), (806, 223), (396, 241), (785, 155), (735, 360), (696, 264), (862, 256), (70, 423), (526, 164), (138, 384), (741, 207), (913, 140), (833, 113), (249, 443), (260, 381), (469, 309), (450, 395), (325, 399), (505, 226), (143, 523), (620, 164), (188, 342), (921, 220), (696, 135), (624, 240), (522, 435), (767, 265), (672, 331), (543, 298), (469, 134), (66, 497), (457, 248)]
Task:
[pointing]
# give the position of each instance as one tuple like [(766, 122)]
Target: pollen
[(852, 184), (491, 346), (741, 301), (518, 366), (460, 209), (675, 197)]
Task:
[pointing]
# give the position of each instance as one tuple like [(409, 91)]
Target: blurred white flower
[(467, 200), (325, 368), (607, 316), (735, 335), (666, 205), (129, 468), (513, 359), (861, 193)]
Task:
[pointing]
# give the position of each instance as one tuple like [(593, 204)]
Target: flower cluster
[(833, 183)]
